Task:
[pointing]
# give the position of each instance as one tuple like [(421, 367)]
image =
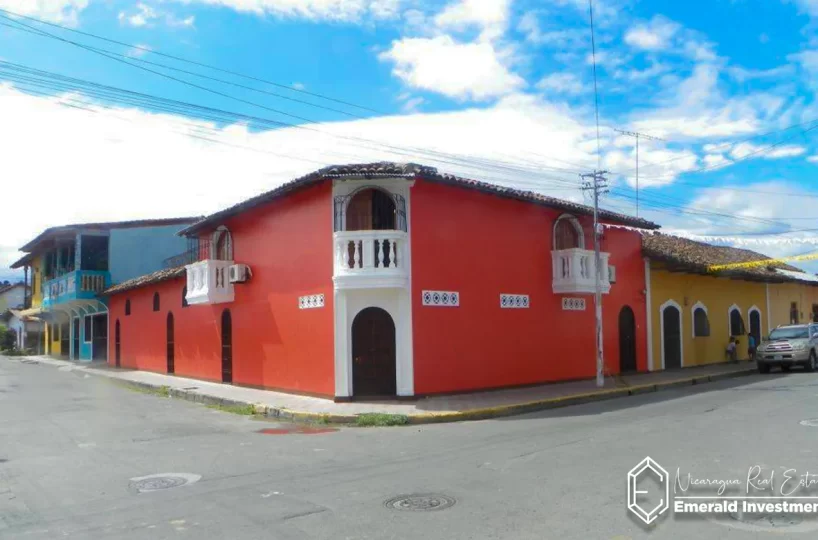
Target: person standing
[(751, 347)]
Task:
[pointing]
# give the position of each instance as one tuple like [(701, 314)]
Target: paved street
[(70, 445)]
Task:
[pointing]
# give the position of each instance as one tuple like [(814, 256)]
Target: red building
[(388, 280)]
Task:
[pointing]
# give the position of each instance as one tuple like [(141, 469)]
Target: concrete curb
[(431, 418)]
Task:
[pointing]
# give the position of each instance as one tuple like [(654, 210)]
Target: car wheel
[(785, 368), (813, 362), (763, 368)]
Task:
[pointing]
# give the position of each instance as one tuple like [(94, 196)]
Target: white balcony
[(368, 259), (208, 282), (574, 271)]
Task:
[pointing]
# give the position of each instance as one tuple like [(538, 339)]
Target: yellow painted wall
[(718, 295), (53, 339), (782, 294), (36, 293)]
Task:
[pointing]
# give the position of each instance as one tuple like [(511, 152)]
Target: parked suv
[(787, 346)]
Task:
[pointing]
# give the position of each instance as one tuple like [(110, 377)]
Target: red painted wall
[(482, 245), (288, 245)]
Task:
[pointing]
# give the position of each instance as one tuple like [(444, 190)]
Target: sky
[(498, 90)]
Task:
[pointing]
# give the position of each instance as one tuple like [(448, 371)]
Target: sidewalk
[(452, 408)]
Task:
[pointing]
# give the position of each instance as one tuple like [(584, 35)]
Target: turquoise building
[(69, 267)]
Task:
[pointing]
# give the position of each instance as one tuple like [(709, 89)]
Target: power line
[(188, 61)]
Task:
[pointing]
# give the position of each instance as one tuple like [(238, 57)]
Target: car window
[(790, 333)]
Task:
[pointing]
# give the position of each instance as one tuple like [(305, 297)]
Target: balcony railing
[(574, 271), (371, 255), (208, 282), (76, 285)]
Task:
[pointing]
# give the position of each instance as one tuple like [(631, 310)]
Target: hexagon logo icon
[(637, 503)]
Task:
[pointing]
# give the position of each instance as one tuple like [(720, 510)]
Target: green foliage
[(381, 419), (246, 410), (8, 339)]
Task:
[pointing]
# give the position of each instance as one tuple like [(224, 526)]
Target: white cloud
[(491, 16), (716, 161), (454, 69), (656, 69), (298, 86), (757, 204), (187, 22), (785, 151), (562, 83), (813, 159), (809, 7), (59, 11), (655, 35), (332, 10), (742, 75), (697, 109), (745, 149), (148, 15), (147, 153), (412, 105), (658, 166), (144, 16)]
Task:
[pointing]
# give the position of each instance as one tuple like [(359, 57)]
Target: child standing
[(731, 350)]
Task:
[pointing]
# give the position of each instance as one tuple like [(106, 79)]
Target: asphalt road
[(71, 445)]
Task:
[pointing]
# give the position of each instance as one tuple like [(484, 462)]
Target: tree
[(8, 339)]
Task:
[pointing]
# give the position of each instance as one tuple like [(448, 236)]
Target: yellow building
[(50, 337), (693, 313)]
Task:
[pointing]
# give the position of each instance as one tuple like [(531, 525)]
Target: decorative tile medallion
[(573, 304), (441, 298), (514, 301), (311, 301)]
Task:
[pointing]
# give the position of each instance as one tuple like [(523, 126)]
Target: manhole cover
[(301, 430), (813, 422), (157, 482), (768, 521), (422, 502)]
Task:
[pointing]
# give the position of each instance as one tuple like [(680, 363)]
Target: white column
[(403, 343), (343, 346)]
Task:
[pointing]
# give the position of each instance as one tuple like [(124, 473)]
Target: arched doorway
[(755, 325), (568, 233), (370, 210), (117, 347), (227, 347), (373, 353), (171, 354), (672, 336), (627, 340)]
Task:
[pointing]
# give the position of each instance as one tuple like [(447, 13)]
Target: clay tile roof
[(148, 279), (406, 170), (689, 255)]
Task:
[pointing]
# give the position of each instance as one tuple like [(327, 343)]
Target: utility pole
[(597, 183), (637, 136)]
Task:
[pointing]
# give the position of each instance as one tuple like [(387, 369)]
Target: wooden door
[(627, 340), (672, 340), (117, 352), (171, 355), (373, 354), (227, 347)]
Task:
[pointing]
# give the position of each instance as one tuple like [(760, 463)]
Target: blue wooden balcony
[(76, 285)]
